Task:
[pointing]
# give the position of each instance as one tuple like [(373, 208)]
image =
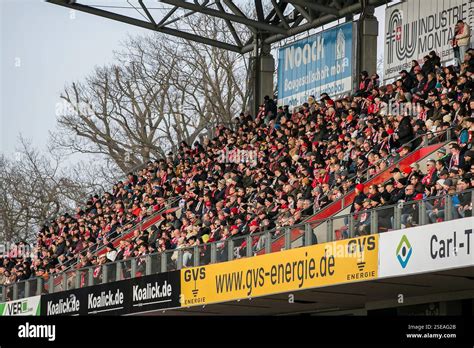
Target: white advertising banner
[(25, 306), (414, 28), (435, 247)]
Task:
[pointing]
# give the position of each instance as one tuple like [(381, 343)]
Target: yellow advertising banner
[(314, 266)]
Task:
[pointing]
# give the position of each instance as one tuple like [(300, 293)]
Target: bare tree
[(161, 91), (33, 189)]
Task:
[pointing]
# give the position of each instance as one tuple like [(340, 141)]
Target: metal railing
[(424, 139), (96, 248), (379, 220)]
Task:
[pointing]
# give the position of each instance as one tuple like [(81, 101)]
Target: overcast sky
[(42, 48)]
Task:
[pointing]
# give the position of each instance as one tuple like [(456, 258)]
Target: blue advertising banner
[(321, 63)]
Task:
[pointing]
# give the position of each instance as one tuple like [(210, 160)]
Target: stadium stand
[(279, 169)]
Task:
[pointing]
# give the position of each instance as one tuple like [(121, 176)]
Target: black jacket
[(405, 131)]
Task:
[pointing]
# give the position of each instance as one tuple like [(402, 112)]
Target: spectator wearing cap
[(468, 160), (359, 196), (441, 154)]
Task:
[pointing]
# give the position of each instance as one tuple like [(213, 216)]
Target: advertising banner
[(319, 265), (414, 28), (321, 63), (435, 247), (26, 306), (153, 292)]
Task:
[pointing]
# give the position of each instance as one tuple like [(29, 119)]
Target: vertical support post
[(287, 233), (448, 209), (118, 271), (213, 252), (422, 213), (249, 246), (308, 234), (367, 40), (164, 261), (105, 273), (329, 228), (64, 281), (148, 265), (27, 288), (77, 279), (351, 225), (397, 216), (133, 268), (39, 286), (90, 274), (268, 242), (262, 66), (374, 222), (230, 249), (179, 261), (51, 285), (472, 198), (196, 256), (15, 291), (4, 293)]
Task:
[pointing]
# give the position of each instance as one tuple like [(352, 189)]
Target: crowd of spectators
[(290, 165)]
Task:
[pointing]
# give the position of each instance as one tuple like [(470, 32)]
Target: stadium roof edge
[(273, 27)]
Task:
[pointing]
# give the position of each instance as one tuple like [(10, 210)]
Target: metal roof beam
[(230, 26), (237, 12), (144, 24), (168, 15), (259, 10), (225, 15), (302, 11), (354, 8), (148, 14), (315, 6), (280, 14)]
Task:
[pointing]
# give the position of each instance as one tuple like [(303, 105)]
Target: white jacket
[(464, 36)]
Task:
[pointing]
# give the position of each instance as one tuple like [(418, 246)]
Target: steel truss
[(285, 18)]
